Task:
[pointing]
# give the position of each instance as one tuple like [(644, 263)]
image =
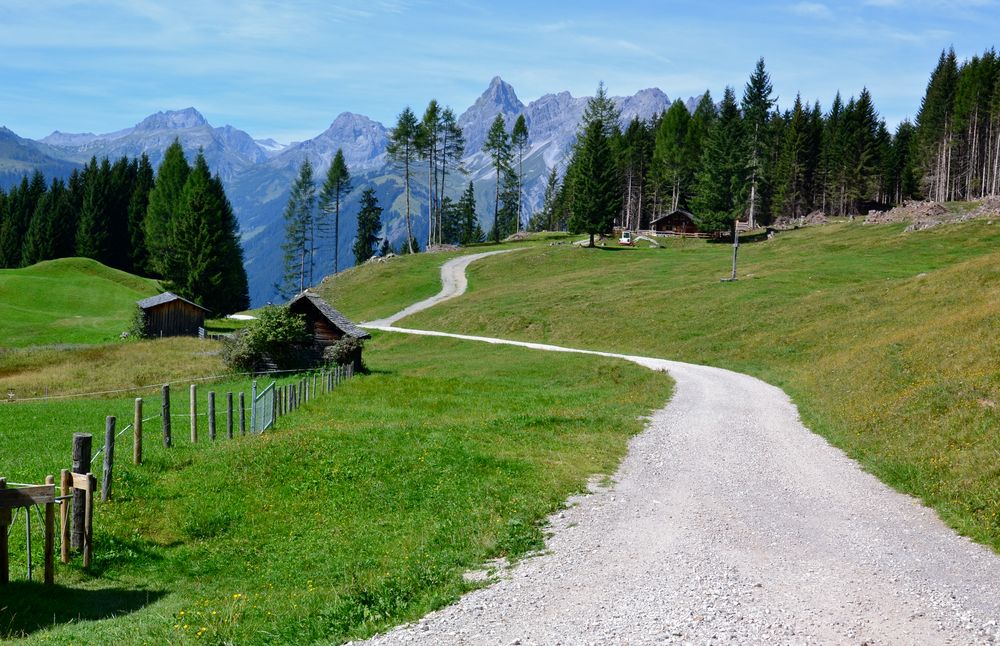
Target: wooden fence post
[(166, 416), (229, 415), (137, 433), (81, 464), (109, 457), (50, 536), (243, 413), (65, 486), (4, 555), (211, 415), (194, 413), (253, 407), (88, 515)]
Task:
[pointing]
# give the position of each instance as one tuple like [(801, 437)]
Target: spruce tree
[(21, 206), (721, 190), (671, 165), (791, 196), (497, 146), (467, 216), (427, 140), (164, 200), (519, 142), (369, 225), (596, 201), (138, 206), (756, 106), (93, 234), (402, 149), (300, 220), (452, 148), (335, 188)]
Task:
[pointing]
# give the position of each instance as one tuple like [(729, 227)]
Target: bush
[(137, 326), (274, 335), (346, 350)]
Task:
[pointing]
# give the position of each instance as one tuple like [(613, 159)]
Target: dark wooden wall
[(175, 318)]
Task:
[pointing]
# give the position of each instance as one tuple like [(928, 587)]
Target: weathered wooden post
[(88, 516), (229, 415), (194, 413), (137, 432), (314, 386), (109, 457), (211, 415), (243, 413), (65, 486), (50, 536), (81, 465), (253, 407), (166, 415), (4, 555)]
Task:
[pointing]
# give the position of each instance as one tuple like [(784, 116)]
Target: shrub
[(137, 326), (344, 351), (273, 335)]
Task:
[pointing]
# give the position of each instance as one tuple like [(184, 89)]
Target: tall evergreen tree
[(164, 200), (756, 104), (21, 205), (452, 149), (402, 149), (597, 200), (497, 146), (300, 222), (519, 143), (721, 190), (634, 157), (672, 168), (138, 205), (93, 234), (793, 164), (336, 186), (369, 225), (468, 222), (427, 141), (545, 220)]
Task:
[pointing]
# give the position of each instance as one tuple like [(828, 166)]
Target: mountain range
[(258, 173)]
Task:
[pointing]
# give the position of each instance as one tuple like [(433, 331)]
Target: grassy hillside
[(71, 300), (888, 341), (362, 510)]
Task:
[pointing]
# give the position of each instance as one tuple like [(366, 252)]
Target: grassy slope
[(361, 511), (72, 300), (886, 340)]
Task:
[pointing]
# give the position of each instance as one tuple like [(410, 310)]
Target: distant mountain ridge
[(258, 173)]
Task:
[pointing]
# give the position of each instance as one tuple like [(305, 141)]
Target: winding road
[(728, 522)]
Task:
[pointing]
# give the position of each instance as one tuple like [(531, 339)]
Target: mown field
[(887, 341), (362, 509), (67, 301)]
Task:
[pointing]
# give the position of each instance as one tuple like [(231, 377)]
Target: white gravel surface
[(730, 522)]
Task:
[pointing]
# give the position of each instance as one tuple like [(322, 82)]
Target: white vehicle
[(626, 239)]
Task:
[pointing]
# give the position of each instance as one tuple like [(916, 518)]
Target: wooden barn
[(170, 315), (678, 222), (324, 324)]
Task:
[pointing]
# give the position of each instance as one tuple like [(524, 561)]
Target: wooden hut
[(678, 222), (324, 324), (170, 315)]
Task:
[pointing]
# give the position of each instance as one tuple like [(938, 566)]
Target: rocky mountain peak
[(173, 120)]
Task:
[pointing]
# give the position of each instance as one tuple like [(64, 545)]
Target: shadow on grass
[(27, 607)]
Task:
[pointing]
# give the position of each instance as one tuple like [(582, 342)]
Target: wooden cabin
[(170, 315), (324, 324), (678, 222)]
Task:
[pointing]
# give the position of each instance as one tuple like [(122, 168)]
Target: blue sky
[(286, 69)]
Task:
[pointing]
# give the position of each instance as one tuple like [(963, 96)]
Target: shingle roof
[(332, 315), (165, 297), (667, 215)]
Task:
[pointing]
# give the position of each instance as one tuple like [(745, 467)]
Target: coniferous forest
[(745, 159), (176, 225)]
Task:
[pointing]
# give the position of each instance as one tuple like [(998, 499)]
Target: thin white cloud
[(812, 10)]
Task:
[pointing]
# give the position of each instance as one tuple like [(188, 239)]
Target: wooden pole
[(243, 413), (194, 414), (137, 433), (4, 555), (109, 457), (50, 536), (166, 415), (65, 486), (229, 415), (88, 516), (81, 464), (211, 415)]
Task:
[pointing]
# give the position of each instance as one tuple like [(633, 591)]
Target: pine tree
[(635, 156), (519, 143), (137, 208), (792, 191), (164, 200), (369, 224), (21, 206), (596, 200), (46, 236), (466, 215), (452, 149), (935, 131), (300, 221), (427, 140), (336, 186), (756, 106), (601, 108), (671, 167), (209, 267), (721, 190), (545, 220), (93, 235), (497, 146), (402, 149)]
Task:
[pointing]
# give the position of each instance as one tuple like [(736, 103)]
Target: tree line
[(176, 224), (745, 159)]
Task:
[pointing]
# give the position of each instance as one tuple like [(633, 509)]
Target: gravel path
[(730, 522)]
